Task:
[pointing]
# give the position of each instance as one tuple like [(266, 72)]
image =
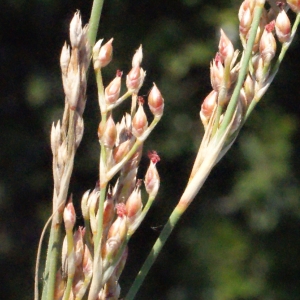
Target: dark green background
[(240, 237)]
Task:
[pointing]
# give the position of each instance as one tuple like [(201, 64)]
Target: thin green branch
[(94, 21)]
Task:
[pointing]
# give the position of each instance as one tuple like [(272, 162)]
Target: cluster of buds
[(225, 70), (94, 256)]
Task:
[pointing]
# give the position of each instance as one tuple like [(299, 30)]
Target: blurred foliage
[(240, 237)]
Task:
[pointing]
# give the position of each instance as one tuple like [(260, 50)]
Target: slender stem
[(167, 230), (94, 21)]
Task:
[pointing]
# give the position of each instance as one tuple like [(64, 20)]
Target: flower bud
[(137, 57), (156, 101), (249, 86), (245, 17), (267, 46), (209, 104), (134, 204), (294, 5), (152, 180), (283, 27), (102, 56), (69, 215), (65, 59), (216, 72), (84, 205), (139, 122), (112, 91), (108, 211), (78, 245), (107, 133), (135, 79), (226, 49), (76, 30), (120, 151)]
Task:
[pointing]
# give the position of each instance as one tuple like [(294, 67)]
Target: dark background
[(240, 237)]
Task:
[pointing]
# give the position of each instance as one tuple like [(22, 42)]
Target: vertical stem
[(94, 21)]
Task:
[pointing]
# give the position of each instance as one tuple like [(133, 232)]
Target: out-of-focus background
[(240, 237)]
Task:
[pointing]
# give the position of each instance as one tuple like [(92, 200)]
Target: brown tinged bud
[(120, 151), (135, 79), (209, 104), (112, 91), (139, 122), (283, 27), (78, 245), (76, 30), (107, 133), (69, 215), (294, 5), (156, 101), (245, 17), (108, 212), (102, 56)]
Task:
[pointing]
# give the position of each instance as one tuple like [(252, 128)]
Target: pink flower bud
[(152, 180), (107, 132), (267, 46), (216, 72), (78, 245), (245, 17), (156, 101), (108, 212), (226, 49), (102, 56), (209, 104), (139, 122), (134, 204), (294, 5), (283, 27), (135, 79), (112, 91), (76, 30), (69, 216), (137, 57)]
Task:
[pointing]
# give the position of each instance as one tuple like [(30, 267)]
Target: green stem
[(94, 21), (167, 230)]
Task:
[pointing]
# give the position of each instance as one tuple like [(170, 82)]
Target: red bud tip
[(270, 27), (156, 101), (153, 156), (119, 73), (121, 209), (141, 100)]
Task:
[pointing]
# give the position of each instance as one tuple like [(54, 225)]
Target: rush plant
[(86, 262)]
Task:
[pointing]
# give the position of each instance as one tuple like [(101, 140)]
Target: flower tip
[(153, 156)]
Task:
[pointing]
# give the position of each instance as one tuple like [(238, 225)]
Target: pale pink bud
[(283, 27), (209, 104), (137, 57), (65, 59), (135, 79), (134, 203), (152, 180), (156, 101), (108, 212), (76, 30), (139, 122), (216, 72), (249, 90), (294, 5), (267, 46), (87, 264), (69, 216), (102, 56), (55, 138), (107, 132), (226, 49), (85, 206), (245, 18), (112, 91)]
